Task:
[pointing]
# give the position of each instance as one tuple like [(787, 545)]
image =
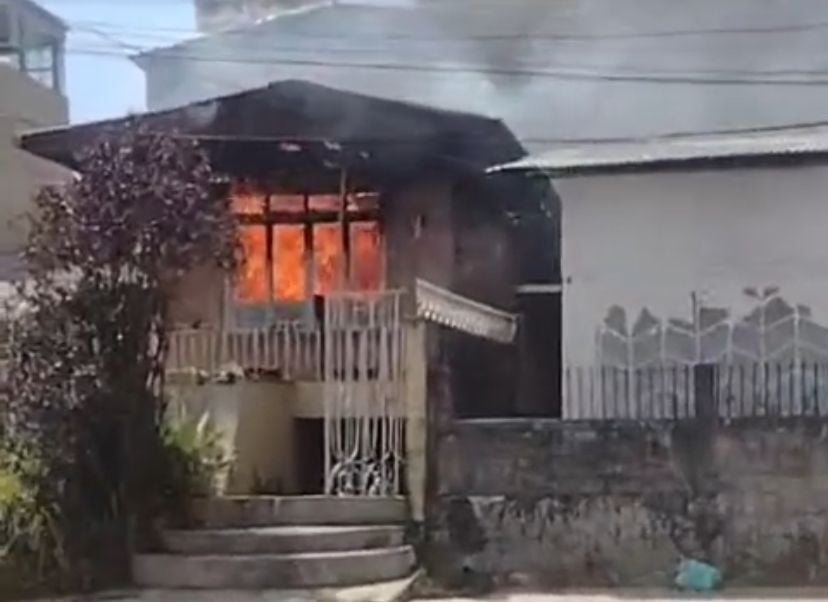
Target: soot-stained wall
[(551, 504)]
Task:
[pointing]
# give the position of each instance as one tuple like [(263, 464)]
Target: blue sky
[(101, 85)]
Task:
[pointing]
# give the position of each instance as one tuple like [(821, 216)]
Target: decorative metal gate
[(364, 408)]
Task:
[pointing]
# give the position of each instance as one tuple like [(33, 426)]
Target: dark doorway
[(310, 456)]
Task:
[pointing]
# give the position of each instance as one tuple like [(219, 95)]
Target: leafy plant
[(199, 458), (29, 541), (104, 255)]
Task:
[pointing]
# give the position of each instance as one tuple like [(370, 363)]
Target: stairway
[(298, 542)]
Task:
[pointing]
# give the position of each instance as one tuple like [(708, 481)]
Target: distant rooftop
[(218, 15), (550, 69), (29, 7), (682, 151), (32, 41)]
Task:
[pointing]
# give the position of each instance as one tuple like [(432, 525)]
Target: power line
[(573, 75), (527, 35), (797, 126), (643, 71), (107, 36), (628, 69)]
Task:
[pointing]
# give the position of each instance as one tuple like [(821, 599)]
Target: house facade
[(357, 216), (691, 251), (31, 96)]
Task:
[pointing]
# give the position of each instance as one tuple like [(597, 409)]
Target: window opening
[(298, 246)]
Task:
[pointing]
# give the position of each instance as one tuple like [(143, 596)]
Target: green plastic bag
[(698, 576)]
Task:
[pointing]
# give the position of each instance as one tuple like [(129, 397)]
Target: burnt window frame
[(273, 310)]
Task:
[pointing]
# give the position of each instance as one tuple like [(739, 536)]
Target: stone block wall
[(554, 504)]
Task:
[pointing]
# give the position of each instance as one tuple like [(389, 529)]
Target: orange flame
[(366, 256), (289, 262), (327, 257), (289, 253), (251, 277)]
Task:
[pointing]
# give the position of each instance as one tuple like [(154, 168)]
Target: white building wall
[(654, 241)]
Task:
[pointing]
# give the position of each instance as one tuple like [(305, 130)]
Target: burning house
[(361, 212)]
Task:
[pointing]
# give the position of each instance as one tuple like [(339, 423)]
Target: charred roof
[(296, 123)]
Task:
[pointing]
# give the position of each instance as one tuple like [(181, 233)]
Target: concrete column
[(415, 413)]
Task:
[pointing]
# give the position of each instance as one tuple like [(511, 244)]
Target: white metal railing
[(675, 392), (290, 348)]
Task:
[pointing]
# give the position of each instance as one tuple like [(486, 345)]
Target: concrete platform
[(283, 540), (389, 591), (288, 571), (266, 511), (395, 591), (803, 594)]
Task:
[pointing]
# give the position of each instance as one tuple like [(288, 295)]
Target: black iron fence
[(674, 392)]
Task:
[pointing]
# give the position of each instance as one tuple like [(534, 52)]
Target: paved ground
[(754, 595), (757, 595)]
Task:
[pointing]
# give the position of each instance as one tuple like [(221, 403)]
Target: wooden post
[(310, 267), (270, 264), (345, 272)]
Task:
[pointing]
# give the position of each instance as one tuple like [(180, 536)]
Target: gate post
[(704, 392)]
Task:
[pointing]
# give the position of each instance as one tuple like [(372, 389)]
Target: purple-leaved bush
[(104, 255)]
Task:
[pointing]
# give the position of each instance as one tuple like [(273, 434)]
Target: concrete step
[(283, 540), (314, 570), (267, 511), (397, 590)]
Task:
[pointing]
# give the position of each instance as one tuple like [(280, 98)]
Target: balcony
[(32, 41), (289, 350)]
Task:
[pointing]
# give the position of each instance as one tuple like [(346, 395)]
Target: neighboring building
[(695, 250), (218, 15), (550, 70), (31, 96)]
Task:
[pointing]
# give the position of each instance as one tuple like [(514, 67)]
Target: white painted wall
[(651, 240)]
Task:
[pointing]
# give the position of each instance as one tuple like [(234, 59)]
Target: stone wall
[(555, 504)]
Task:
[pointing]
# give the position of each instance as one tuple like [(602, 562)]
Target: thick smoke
[(549, 68)]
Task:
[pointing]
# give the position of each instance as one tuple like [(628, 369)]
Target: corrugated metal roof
[(767, 146)]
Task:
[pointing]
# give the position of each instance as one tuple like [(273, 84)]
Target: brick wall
[(555, 504)]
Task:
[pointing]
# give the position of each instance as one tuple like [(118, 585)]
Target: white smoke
[(498, 55)]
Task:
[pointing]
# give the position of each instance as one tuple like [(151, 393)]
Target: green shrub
[(197, 458), (30, 546)]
